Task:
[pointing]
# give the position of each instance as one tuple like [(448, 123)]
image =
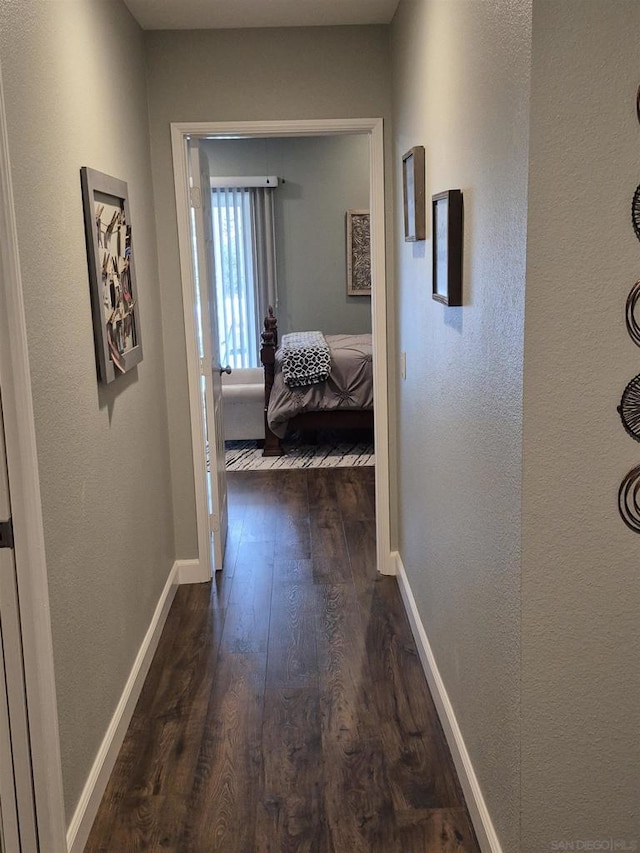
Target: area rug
[(245, 456)]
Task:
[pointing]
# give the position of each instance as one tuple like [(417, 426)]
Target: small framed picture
[(112, 279), (358, 253), (413, 187), (447, 247)]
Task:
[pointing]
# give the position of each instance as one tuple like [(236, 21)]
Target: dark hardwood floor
[(286, 708)]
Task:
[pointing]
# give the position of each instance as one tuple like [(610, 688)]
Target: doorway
[(283, 207), (17, 812), (182, 133), (31, 799)]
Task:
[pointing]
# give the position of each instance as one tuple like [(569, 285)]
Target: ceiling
[(225, 14)]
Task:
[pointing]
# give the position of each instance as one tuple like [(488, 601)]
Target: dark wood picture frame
[(112, 278), (447, 221), (413, 192)]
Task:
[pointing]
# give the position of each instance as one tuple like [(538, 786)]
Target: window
[(244, 264), (234, 261)]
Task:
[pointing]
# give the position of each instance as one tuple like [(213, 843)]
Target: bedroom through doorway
[(290, 215), (324, 172)]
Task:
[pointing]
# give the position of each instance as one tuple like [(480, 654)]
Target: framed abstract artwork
[(358, 253), (112, 279), (447, 247), (413, 187)]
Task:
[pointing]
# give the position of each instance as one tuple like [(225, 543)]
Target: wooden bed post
[(269, 345)]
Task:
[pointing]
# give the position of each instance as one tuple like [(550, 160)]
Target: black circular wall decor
[(633, 326), (628, 499), (638, 103), (635, 212), (629, 408)]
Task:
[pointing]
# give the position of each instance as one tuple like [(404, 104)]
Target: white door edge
[(22, 464), (211, 399), (9, 642), (198, 438), (180, 131), (9, 827)]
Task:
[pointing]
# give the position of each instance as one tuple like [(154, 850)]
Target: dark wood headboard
[(268, 347)]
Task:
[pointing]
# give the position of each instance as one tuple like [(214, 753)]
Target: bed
[(343, 401)]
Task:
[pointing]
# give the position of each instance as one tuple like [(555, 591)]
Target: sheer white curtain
[(245, 269)]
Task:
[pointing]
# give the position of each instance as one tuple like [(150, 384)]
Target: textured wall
[(241, 75), (581, 683), (460, 88), (74, 82), (324, 176)]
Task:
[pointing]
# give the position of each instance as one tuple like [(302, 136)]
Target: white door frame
[(22, 465), (16, 782), (180, 132)]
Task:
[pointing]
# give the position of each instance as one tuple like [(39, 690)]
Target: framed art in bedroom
[(447, 247), (358, 253), (413, 188), (112, 279)]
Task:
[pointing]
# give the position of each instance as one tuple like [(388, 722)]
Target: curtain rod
[(245, 181)]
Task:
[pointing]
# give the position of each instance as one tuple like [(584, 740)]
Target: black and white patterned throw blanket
[(306, 358)]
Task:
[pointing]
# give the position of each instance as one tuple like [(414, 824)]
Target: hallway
[(286, 708)]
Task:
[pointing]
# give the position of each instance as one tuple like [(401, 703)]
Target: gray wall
[(530, 604), (580, 639), (240, 75), (324, 176), (74, 82), (461, 84)]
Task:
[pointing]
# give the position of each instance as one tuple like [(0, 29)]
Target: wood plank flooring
[(286, 708)]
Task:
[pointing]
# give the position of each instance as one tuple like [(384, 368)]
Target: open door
[(17, 808), (210, 367), (9, 825)]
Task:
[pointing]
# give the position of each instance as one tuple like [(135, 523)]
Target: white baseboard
[(391, 563), (190, 571), (87, 807), (480, 816)]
